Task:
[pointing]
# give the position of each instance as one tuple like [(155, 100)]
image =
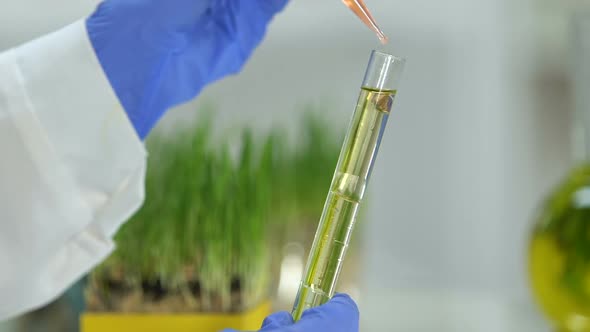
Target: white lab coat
[(71, 167)]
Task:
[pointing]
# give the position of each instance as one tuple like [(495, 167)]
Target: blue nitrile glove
[(339, 315), (161, 53)]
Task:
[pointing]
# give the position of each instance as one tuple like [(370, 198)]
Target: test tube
[(349, 183)]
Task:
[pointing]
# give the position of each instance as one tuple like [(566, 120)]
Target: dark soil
[(152, 296), (154, 290), (195, 288), (235, 285)]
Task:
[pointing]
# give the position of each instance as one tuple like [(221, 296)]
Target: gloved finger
[(237, 28), (280, 319), (340, 314)]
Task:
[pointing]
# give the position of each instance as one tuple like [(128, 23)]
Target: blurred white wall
[(479, 134)]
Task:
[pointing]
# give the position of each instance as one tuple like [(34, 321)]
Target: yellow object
[(559, 303), (99, 322)]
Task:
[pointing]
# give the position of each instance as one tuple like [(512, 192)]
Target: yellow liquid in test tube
[(344, 198), (351, 177)]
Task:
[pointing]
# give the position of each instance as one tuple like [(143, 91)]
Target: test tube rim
[(383, 71), (394, 58)]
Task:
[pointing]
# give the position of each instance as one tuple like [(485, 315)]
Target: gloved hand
[(339, 315), (161, 53)]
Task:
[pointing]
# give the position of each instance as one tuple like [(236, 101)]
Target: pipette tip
[(382, 38)]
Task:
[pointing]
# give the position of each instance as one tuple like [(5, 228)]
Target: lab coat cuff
[(83, 118), (75, 101)]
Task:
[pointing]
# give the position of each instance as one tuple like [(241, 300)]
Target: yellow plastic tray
[(99, 322)]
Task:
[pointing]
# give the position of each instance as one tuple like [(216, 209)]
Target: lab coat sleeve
[(71, 167)]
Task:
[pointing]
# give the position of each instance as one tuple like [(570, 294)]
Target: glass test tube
[(353, 170)]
